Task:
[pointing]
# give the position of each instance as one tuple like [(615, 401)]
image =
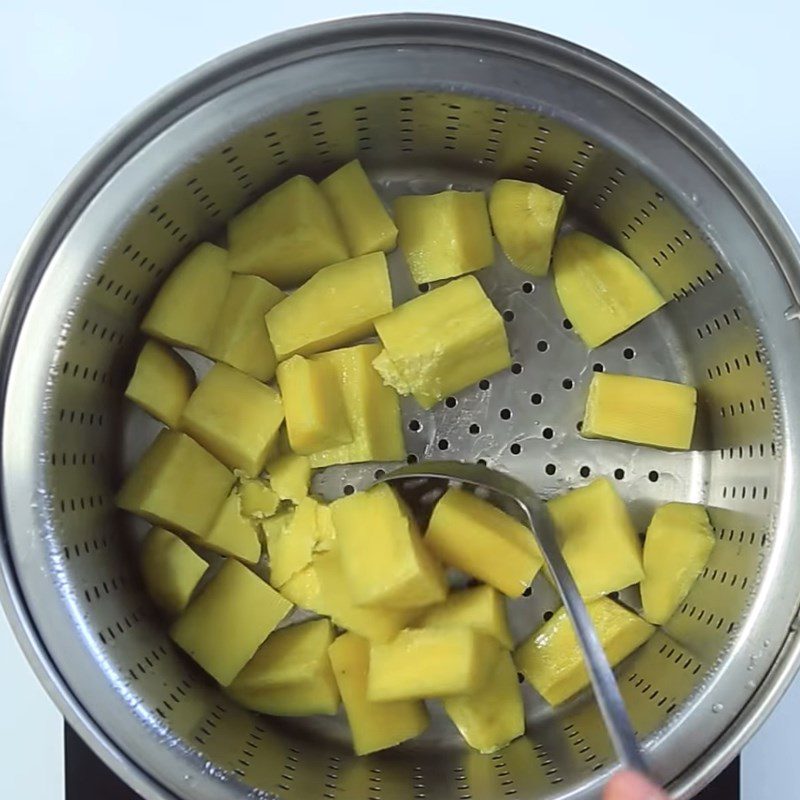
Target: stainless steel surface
[(424, 101), (606, 691)]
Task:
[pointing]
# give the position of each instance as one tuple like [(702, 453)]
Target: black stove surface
[(87, 778)]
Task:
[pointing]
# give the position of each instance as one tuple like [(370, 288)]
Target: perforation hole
[(548, 433), (505, 413), (515, 449), (598, 367), (629, 353), (415, 425), (451, 402), (349, 488), (567, 325), (508, 315), (474, 429), (579, 425), (516, 368), (542, 346), (568, 383), (619, 473), (652, 476), (585, 471), (484, 384), (411, 459), (527, 287), (550, 469), (443, 444), (536, 399)]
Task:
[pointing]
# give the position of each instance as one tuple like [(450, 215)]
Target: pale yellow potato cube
[(552, 660), (479, 607), (290, 674), (240, 336), (161, 383), (171, 570), (235, 417), (431, 662), (483, 541), (287, 235), (492, 716), (598, 540), (176, 484), (336, 306), (314, 404), (441, 342), (678, 543), (373, 410), (274, 525), (374, 726), (602, 291), (382, 553), (366, 224), (525, 217), (232, 533), (185, 310), (258, 499), (444, 235), (640, 410), (290, 476), (223, 626)]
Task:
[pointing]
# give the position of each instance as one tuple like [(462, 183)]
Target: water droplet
[(766, 643), (717, 707)]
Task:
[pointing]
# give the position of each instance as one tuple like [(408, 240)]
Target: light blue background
[(70, 69)]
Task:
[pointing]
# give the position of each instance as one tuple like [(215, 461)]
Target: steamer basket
[(425, 102)]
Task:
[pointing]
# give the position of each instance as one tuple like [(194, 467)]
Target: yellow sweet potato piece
[(677, 546), (240, 336), (258, 500), (223, 626), (287, 235), (290, 674), (382, 554), (313, 401), (444, 235), (292, 547), (602, 291), (374, 726), (640, 410), (289, 477), (185, 310), (598, 540), (552, 660), (176, 484), (171, 570), (442, 342), (235, 417), (481, 540), (525, 218), (373, 410), (431, 662), (366, 224), (161, 383), (336, 306), (493, 716)]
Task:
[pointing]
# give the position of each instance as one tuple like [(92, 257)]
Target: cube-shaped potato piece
[(235, 417), (290, 674), (444, 235), (442, 342), (240, 336), (287, 235), (291, 548), (171, 570), (678, 543), (598, 540), (640, 410), (552, 660), (373, 410), (257, 498), (336, 306), (431, 662), (185, 310), (366, 224), (322, 588), (290, 476), (161, 383), (223, 626), (479, 607), (313, 401), (374, 726), (483, 541), (493, 716), (176, 484), (525, 217), (232, 533), (381, 550), (602, 291)]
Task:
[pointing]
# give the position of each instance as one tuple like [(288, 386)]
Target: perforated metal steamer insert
[(425, 103)]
